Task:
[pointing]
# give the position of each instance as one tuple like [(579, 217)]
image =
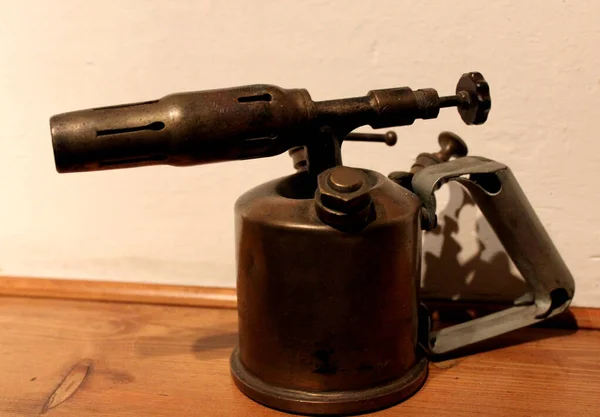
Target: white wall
[(541, 59)]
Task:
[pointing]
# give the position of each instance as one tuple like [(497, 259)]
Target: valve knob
[(472, 98), (476, 99)]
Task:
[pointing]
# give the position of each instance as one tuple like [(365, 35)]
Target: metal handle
[(496, 191)]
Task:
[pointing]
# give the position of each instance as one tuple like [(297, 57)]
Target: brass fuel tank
[(322, 308)]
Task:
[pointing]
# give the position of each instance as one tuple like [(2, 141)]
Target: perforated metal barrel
[(328, 320)]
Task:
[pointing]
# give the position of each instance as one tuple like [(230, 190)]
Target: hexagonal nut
[(349, 195), (343, 197)]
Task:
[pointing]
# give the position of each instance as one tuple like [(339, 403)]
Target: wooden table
[(83, 358)]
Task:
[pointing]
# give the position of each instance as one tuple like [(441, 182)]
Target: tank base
[(332, 402)]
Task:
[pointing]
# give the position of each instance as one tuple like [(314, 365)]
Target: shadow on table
[(215, 345), (203, 343)]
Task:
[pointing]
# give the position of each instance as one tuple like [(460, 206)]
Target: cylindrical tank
[(328, 319)]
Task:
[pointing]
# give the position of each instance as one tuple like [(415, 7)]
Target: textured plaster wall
[(164, 224)]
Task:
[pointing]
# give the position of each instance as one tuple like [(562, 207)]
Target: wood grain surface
[(198, 296), (82, 358), (127, 292)]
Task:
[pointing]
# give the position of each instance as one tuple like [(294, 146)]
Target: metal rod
[(389, 138), (451, 101)]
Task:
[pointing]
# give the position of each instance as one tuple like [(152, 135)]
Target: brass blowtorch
[(329, 258)]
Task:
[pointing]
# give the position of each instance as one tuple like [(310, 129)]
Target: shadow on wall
[(463, 258)]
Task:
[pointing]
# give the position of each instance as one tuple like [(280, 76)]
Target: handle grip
[(497, 193)]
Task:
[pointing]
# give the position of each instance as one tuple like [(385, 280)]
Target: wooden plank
[(81, 358), (198, 296), (127, 292)]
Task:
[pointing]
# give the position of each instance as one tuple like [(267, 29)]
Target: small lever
[(389, 138), (298, 153)]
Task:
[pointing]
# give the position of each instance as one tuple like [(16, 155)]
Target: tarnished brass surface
[(324, 311), (329, 402), (244, 122)]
